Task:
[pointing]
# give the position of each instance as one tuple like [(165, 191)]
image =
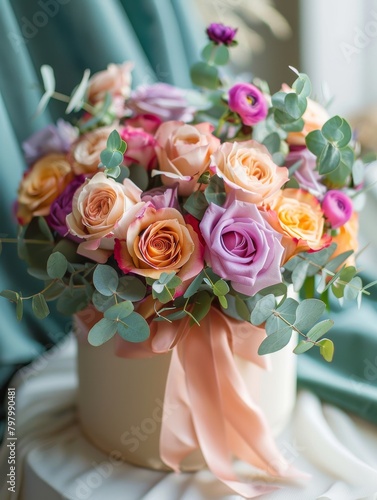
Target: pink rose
[(248, 170), (140, 147), (151, 241), (149, 123), (184, 152), (97, 207), (241, 246)]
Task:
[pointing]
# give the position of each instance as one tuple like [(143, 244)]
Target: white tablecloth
[(55, 461)]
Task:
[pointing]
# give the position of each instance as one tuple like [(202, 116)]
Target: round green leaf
[(263, 309), (205, 75), (302, 347), (326, 349), (102, 331), (134, 328), (131, 288), (102, 302), (56, 265), (320, 329), (110, 158), (275, 341), (119, 311), (39, 306), (114, 141), (308, 313), (105, 279), (220, 288)]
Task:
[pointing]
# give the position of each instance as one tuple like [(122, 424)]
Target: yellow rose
[(151, 241), (85, 153), (315, 117), (97, 207), (184, 152), (248, 170), (44, 182), (297, 214)]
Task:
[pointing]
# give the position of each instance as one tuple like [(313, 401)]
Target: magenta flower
[(221, 34), (62, 206), (241, 246), (140, 147), (337, 207), (162, 100), (249, 102)]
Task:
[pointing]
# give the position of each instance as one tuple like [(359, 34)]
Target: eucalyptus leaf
[(308, 313), (263, 309), (19, 309), (102, 302), (196, 204), (114, 141), (131, 288), (202, 305), (119, 311), (111, 159), (39, 306), (302, 347), (73, 300), (194, 285), (102, 331), (220, 288), (205, 75), (57, 265), (275, 341), (316, 142), (299, 274), (326, 349), (77, 98), (133, 328), (105, 279), (329, 159), (10, 295), (320, 329), (215, 191)]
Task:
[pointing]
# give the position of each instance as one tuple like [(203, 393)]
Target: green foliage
[(196, 204), (39, 306), (57, 265), (112, 155), (215, 191), (164, 287), (105, 279), (205, 75), (215, 54)]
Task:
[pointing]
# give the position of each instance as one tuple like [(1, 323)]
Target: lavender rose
[(306, 174), (163, 100), (62, 206), (163, 197), (241, 246), (337, 207), (221, 34), (249, 102), (51, 139)]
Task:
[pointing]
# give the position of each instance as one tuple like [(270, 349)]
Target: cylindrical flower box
[(120, 401)]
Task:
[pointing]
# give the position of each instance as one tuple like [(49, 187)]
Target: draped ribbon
[(213, 408)]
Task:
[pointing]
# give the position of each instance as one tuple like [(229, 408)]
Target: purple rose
[(337, 207), (241, 246), (249, 102), (62, 206), (221, 34), (163, 100), (163, 197), (306, 174), (51, 139)]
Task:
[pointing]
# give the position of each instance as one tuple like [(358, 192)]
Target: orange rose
[(297, 214), (97, 207), (315, 117), (248, 170), (44, 182), (85, 153), (346, 239), (151, 241), (184, 151)]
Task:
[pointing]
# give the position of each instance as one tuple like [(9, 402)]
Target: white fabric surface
[(56, 461)]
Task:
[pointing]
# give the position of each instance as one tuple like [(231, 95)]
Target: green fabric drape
[(163, 37)]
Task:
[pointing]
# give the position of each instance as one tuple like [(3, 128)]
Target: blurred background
[(334, 42)]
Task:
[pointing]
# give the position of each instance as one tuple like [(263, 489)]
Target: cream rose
[(248, 170), (41, 185), (116, 80), (85, 153), (297, 214), (184, 151), (315, 117), (151, 241), (97, 207)]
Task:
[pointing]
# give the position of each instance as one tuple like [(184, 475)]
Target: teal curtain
[(162, 37)]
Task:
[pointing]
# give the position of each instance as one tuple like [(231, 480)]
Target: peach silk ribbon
[(215, 411)]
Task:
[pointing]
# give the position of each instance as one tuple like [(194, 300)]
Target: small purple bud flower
[(249, 102), (221, 34), (337, 207)]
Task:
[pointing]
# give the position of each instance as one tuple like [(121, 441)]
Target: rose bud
[(221, 34), (249, 102), (337, 207)]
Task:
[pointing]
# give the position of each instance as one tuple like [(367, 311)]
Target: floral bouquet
[(165, 209)]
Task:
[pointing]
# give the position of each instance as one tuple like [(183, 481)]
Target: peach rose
[(151, 241), (97, 207), (85, 153), (297, 214), (315, 117), (116, 80), (184, 151), (41, 185), (248, 170), (346, 239)]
